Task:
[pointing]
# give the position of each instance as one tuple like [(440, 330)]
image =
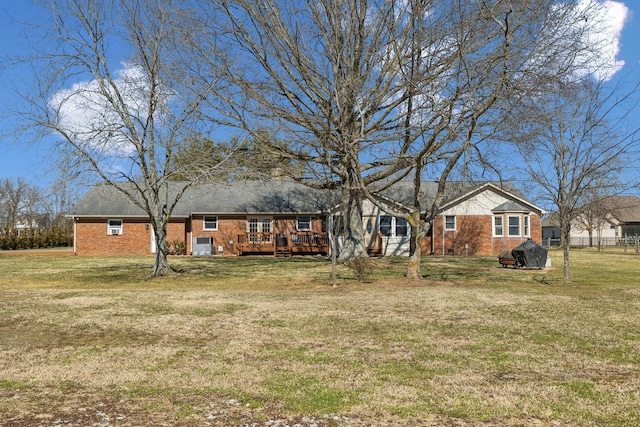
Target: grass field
[(266, 342)]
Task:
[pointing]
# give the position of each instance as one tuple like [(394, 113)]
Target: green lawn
[(247, 341)]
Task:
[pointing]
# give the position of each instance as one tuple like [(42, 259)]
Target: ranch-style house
[(281, 217)]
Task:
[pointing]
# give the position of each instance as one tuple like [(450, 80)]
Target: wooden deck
[(278, 245)]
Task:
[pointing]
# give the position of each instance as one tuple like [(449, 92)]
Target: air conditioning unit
[(115, 232), (202, 246)]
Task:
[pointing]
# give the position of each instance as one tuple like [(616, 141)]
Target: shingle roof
[(510, 206), (625, 208), (276, 196), (266, 197)]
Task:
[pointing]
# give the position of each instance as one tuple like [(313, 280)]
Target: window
[(393, 226), (525, 223), (114, 227), (514, 226), (402, 227), (266, 225), (385, 225), (497, 226), (210, 223), (253, 225), (304, 223), (449, 222)]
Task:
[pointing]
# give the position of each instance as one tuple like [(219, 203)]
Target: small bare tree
[(578, 137), (111, 91)]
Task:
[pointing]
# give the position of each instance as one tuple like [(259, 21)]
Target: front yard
[(262, 341)]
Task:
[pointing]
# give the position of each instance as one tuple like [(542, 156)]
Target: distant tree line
[(31, 217)]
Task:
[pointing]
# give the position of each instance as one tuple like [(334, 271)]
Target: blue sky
[(18, 158)]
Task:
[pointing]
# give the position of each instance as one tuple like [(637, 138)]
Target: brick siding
[(474, 236), (92, 237)]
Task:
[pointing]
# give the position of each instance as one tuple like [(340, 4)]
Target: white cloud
[(603, 22), (85, 112)]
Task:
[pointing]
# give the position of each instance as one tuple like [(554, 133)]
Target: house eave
[(258, 213), (104, 216)]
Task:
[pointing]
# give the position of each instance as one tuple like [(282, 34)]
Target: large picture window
[(393, 226)]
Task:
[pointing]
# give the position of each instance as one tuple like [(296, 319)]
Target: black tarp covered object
[(530, 255)]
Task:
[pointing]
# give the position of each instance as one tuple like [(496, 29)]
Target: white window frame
[(384, 219), (406, 227), (495, 226), (446, 225), (112, 229), (266, 225), (309, 222), (253, 223), (392, 225), (526, 225), (262, 224), (212, 219), (509, 226)]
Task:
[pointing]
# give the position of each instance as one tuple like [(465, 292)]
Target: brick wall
[(229, 227), (474, 236), (92, 237)]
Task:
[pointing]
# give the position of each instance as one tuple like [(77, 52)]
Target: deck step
[(282, 253)]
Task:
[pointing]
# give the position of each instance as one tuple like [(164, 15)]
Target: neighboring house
[(27, 222), (282, 217), (619, 222)]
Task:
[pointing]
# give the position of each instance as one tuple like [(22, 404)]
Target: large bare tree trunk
[(161, 266), (353, 247)]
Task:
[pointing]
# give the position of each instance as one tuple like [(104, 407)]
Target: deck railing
[(310, 239), (304, 242), (257, 239)]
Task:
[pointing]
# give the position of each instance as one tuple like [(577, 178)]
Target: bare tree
[(578, 137), (321, 76), (20, 202), (111, 91), (465, 62)]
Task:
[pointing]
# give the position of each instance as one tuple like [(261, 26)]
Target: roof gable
[(506, 190)]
